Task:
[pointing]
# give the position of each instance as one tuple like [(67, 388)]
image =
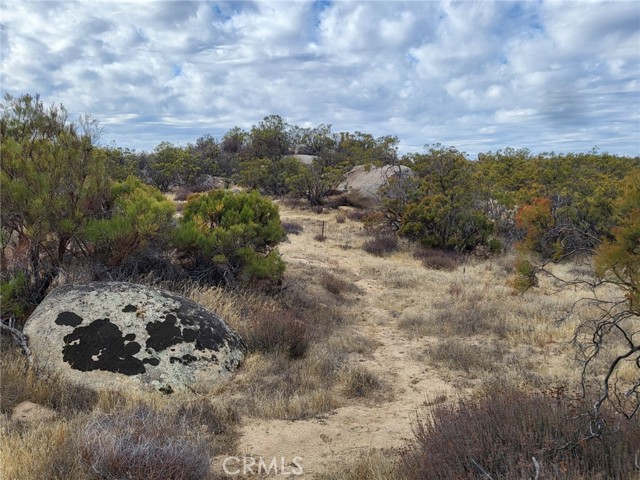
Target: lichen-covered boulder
[(122, 335)]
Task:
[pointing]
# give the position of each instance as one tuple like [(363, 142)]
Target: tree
[(616, 332), (52, 182), (270, 139), (230, 238), (444, 213), (168, 166), (313, 182), (608, 342)]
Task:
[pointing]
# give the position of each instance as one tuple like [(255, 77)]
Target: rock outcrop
[(362, 183), (123, 335)]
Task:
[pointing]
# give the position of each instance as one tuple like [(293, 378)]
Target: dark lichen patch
[(162, 335), (153, 361), (130, 337), (130, 308), (166, 389), (209, 338), (185, 360), (101, 346), (189, 335), (68, 319)]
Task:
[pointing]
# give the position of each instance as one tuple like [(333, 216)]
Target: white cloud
[(476, 75)]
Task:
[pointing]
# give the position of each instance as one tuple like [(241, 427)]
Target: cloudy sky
[(546, 75)]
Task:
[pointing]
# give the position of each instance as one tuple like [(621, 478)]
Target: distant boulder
[(204, 183), (306, 159), (363, 182), (108, 335)]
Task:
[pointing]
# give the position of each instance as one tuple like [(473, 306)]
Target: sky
[(480, 76)]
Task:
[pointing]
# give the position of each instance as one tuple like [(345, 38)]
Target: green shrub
[(139, 216), (495, 246), (525, 276), (226, 237)]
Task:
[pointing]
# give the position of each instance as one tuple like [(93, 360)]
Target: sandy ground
[(323, 442)]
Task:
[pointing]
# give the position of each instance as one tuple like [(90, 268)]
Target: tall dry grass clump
[(20, 382), (141, 443)]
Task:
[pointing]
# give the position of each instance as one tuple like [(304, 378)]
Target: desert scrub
[(438, 259), (500, 431), (381, 245), (292, 228), (370, 465)]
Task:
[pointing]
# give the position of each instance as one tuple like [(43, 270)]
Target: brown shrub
[(498, 434), (292, 228), (337, 201), (458, 355), (216, 419), (360, 382), (182, 193), (141, 443), (319, 237), (341, 218), (337, 285), (381, 245), (356, 215), (438, 259), (276, 330)]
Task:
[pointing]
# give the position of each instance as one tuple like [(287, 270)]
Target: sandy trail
[(342, 434)]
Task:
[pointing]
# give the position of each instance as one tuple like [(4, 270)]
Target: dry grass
[(370, 465), (20, 382), (360, 382), (46, 450)]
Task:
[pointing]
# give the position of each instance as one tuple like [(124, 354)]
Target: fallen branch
[(19, 338)]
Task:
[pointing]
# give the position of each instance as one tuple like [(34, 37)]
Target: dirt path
[(341, 435)]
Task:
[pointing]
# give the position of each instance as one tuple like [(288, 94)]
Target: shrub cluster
[(508, 433)]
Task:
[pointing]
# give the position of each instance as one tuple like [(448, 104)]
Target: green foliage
[(581, 188), (230, 238), (274, 177), (139, 216), (525, 275), (52, 182), (13, 295), (168, 166), (618, 260), (445, 216), (437, 222), (270, 138), (314, 182), (121, 163)]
